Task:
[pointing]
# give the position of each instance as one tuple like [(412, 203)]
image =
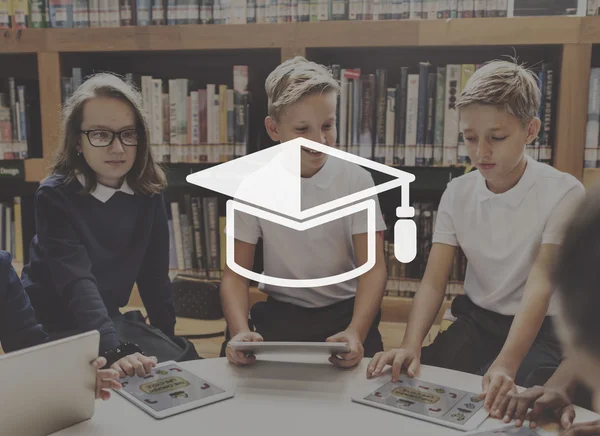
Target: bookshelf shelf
[(290, 36), (35, 169), (590, 30), (591, 176)]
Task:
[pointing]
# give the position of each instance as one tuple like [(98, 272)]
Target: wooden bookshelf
[(591, 176), (35, 170), (568, 42)]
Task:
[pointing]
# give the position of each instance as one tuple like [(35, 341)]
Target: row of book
[(13, 121), (11, 229), (197, 240), (592, 137), (415, 122), (117, 13), (188, 124)]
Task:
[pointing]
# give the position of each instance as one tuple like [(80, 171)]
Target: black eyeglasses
[(104, 138)]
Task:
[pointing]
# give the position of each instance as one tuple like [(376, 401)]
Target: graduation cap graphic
[(267, 184)]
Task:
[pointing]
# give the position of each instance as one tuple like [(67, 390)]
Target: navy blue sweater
[(18, 325), (87, 255)]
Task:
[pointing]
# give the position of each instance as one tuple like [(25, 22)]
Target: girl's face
[(110, 145)]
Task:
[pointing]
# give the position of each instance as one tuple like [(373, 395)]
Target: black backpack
[(132, 327)]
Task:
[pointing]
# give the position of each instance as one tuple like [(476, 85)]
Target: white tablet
[(440, 404), (170, 389), (291, 347)]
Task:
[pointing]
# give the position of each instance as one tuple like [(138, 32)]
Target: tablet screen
[(168, 386)]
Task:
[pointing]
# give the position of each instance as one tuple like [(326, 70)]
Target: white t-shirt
[(321, 251), (501, 234)]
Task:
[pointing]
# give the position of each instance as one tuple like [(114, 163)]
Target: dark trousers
[(278, 321), (475, 339)]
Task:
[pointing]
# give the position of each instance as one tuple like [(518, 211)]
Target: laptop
[(49, 387)]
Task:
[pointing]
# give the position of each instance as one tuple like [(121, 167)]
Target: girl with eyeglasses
[(101, 223)]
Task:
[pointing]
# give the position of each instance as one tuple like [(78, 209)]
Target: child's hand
[(356, 353), (239, 357), (540, 399), (134, 364), (105, 379), (497, 383), (407, 357), (583, 429)]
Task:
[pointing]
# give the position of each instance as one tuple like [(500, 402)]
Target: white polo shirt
[(321, 251), (501, 234)]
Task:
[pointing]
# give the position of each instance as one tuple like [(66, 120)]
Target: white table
[(281, 398)]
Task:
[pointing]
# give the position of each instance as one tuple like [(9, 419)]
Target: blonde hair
[(294, 79), (146, 176), (507, 85)]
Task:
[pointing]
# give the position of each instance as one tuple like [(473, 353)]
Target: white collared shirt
[(103, 192), (318, 252), (501, 234)]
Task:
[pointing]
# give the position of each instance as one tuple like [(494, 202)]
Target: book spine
[(401, 109), (502, 8), (20, 14), (240, 101), (593, 120), (429, 131), (412, 107), (143, 12), (230, 108), (380, 118), (61, 13), (367, 122), (22, 118), (453, 75), (339, 10), (356, 111), (440, 96), (422, 113), (198, 239), (467, 71), (546, 147), (390, 126)]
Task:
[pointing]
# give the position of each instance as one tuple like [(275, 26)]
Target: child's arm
[(533, 308), (428, 299), (18, 325), (234, 300), (555, 396), (369, 294), (153, 279), (425, 307), (498, 381)]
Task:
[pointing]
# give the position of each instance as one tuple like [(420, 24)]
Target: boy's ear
[(533, 129), (272, 128)]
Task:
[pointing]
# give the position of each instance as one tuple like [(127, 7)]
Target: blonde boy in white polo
[(508, 217), (302, 99)]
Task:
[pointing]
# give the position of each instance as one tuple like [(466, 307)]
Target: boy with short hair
[(508, 218), (302, 99)]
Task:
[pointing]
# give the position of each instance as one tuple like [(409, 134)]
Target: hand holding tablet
[(169, 389), (257, 348)]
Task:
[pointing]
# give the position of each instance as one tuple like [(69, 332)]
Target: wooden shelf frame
[(575, 35)]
